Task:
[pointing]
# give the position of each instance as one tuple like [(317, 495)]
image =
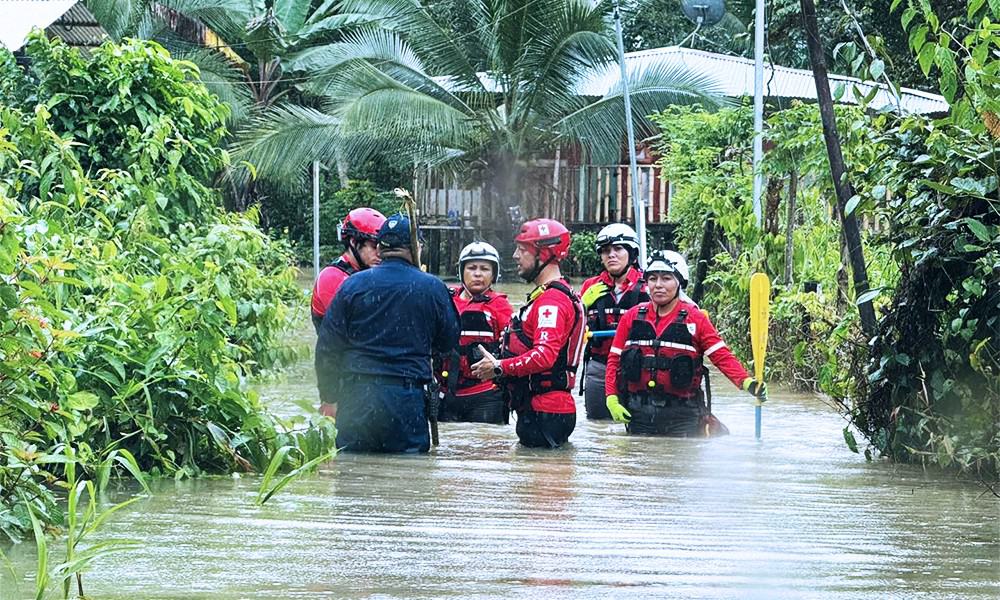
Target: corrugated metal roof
[(734, 77), (21, 16), (78, 27)]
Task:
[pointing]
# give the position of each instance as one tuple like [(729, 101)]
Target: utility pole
[(758, 111), (838, 170), (638, 203), (315, 190)]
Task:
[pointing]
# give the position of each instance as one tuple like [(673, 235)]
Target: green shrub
[(135, 309)]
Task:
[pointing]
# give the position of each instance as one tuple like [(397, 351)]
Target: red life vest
[(477, 327), (562, 375), (669, 360)]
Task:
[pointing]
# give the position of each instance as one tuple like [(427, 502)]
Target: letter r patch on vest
[(547, 316)]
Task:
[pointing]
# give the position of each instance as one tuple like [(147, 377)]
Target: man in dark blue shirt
[(375, 343)]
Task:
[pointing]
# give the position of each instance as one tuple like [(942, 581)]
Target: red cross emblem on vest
[(547, 313)]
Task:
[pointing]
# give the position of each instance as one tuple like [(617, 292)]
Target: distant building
[(68, 20), (566, 186)]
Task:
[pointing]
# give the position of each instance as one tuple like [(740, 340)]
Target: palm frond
[(227, 18), (310, 33), (371, 58), (437, 41), (652, 88), (292, 13), (120, 18), (223, 79), (286, 138)]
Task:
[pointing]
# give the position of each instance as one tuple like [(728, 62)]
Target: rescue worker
[(655, 364), (606, 297), (375, 346), (542, 345), (483, 315), (357, 232)]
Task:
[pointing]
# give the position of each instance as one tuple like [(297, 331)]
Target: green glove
[(618, 412), (757, 389), (593, 293)]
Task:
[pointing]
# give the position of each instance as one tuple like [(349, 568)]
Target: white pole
[(315, 219), (637, 202), (758, 109)]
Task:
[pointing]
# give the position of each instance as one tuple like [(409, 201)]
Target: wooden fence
[(573, 194)]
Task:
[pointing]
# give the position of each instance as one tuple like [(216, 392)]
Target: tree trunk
[(837, 169), (793, 185), (503, 193), (704, 259), (343, 169), (773, 206)]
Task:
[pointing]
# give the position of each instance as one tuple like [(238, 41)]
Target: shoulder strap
[(344, 266), (562, 287)]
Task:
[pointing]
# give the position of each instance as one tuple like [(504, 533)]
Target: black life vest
[(605, 313), (669, 360), (562, 375), (342, 264)]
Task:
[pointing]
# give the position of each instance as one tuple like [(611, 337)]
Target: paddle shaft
[(760, 298)]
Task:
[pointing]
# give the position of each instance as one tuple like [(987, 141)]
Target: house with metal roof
[(66, 19), (564, 188), (733, 77)]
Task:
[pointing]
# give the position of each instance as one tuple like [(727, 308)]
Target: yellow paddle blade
[(760, 303)]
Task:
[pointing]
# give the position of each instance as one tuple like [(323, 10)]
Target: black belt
[(405, 382), (660, 400)]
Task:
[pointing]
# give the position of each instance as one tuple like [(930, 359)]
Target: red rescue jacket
[(483, 319), (604, 314), (543, 345), (667, 350), (329, 281)]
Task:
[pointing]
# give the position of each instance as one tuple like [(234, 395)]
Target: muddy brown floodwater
[(796, 515)]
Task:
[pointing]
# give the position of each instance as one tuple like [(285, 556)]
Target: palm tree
[(526, 79), (246, 50)]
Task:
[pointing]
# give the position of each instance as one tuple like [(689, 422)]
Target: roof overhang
[(21, 16), (733, 77)]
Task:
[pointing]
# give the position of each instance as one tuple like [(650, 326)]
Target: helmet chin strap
[(537, 269), (620, 273), (352, 244)]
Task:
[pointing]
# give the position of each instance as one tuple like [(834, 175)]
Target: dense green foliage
[(935, 383), (134, 310), (658, 23), (927, 386), (707, 156)]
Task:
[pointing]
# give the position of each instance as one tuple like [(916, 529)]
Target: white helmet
[(617, 233), (479, 251), (670, 262)]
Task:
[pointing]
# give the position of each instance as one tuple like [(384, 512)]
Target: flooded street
[(796, 515)]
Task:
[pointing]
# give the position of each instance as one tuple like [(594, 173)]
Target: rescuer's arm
[(710, 344), (446, 336), (615, 354), (554, 316)]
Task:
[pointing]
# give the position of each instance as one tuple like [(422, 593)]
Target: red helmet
[(360, 224), (549, 237)]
